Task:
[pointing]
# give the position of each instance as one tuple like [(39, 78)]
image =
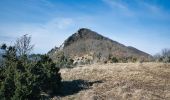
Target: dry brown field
[(119, 81)]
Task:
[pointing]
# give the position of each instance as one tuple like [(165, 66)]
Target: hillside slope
[(121, 81), (87, 44)]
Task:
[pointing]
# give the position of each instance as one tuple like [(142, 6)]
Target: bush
[(114, 60), (22, 78), (63, 62)]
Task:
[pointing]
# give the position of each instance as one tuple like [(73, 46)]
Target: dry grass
[(121, 81)]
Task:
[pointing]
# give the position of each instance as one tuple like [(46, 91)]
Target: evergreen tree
[(24, 79)]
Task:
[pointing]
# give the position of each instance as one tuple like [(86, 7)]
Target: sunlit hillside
[(121, 81)]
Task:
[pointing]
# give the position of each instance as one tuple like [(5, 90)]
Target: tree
[(3, 46), (166, 52), (7, 86), (23, 45), (27, 79), (164, 56)]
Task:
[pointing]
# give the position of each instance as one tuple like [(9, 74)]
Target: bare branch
[(23, 45)]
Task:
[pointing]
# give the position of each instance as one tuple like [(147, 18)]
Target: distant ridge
[(87, 44)]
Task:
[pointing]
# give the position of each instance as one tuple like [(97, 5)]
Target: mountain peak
[(83, 30), (82, 34), (88, 44), (87, 33)]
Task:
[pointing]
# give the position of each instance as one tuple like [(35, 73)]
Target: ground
[(119, 81)]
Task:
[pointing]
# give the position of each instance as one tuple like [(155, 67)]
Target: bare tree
[(166, 52), (163, 56), (23, 45)]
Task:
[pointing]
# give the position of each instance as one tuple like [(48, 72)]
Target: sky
[(143, 24)]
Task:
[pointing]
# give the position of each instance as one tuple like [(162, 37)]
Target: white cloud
[(43, 35), (148, 7), (59, 23), (152, 11), (116, 3), (120, 6), (153, 8), (142, 9)]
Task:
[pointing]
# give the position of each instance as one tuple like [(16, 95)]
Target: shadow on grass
[(72, 87)]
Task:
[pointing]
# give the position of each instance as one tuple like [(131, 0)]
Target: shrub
[(25, 79), (114, 60), (63, 62)]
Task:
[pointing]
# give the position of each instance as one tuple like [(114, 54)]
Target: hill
[(88, 46)]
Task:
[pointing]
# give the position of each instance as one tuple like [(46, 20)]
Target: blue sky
[(143, 24)]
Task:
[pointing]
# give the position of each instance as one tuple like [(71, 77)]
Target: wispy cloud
[(60, 23), (116, 3), (45, 35), (120, 6), (152, 8), (145, 6), (137, 8)]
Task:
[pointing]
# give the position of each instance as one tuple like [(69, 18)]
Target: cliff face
[(87, 44)]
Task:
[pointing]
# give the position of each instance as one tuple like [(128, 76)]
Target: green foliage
[(63, 61), (22, 78), (122, 59), (133, 59), (66, 63), (114, 60)]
